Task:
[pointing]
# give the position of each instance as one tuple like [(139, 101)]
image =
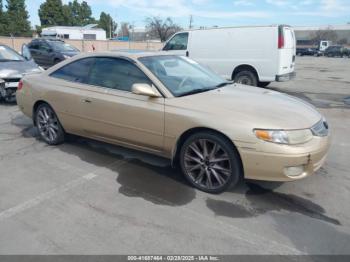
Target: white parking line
[(41, 198)]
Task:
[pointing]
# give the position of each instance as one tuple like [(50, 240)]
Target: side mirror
[(26, 52), (145, 90)]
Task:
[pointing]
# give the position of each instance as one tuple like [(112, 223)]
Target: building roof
[(87, 27), (322, 27)]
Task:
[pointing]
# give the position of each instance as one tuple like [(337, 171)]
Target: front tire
[(246, 77), (49, 127), (210, 163)]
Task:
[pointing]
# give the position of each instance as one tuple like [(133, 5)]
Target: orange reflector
[(262, 134)]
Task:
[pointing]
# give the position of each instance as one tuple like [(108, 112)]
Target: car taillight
[(280, 37), (280, 42), (20, 85)]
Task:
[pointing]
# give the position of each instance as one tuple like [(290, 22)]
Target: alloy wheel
[(207, 164), (47, 123)]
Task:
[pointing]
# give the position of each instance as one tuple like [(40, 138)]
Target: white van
[(249, 55)]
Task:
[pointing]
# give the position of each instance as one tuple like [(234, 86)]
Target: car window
[(116, 74), (62, 46), (178, 42), (34, 45), (181, 74), (8, 54), (76, 71), (43, 46)]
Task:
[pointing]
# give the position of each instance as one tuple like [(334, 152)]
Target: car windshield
[(182, 76), (8, 54), (62, 47)]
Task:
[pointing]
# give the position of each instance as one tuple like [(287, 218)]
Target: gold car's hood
[(255, 107)]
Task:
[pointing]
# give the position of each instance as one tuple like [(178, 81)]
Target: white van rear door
[(286, 51)]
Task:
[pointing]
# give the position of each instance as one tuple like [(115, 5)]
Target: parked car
[(308, 52), (171, 106), (48, 52), (12, 67), (248, 55), (336, 51)]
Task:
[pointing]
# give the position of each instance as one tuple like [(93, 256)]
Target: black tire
[(264, 84), (46, 125), (230, 160), (246, 77)]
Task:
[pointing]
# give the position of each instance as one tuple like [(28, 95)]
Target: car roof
[(124, 54), (47, 39)]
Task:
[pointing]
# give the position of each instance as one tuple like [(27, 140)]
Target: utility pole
[(191, 22), (111, 28)]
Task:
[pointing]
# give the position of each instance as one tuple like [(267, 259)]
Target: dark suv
[(307, 52), (48, 52), (337, 50)]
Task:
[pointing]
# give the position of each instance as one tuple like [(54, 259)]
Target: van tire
[(246, 77)]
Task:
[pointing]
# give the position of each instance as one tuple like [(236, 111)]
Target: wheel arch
[(185, 135), (243, 67)]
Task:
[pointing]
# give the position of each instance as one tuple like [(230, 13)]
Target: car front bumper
[(8, 89), (274, 166)]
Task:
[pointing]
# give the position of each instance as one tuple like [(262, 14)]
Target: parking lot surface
[(87, 197)]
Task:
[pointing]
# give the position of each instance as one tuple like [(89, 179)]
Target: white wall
[(75, 34)]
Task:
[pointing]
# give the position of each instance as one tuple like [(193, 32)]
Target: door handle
[(187, 53), (86, 100)]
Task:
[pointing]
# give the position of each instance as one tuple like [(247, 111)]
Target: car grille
[(321, 128)]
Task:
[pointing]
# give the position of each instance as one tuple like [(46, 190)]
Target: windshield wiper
[(224, 84), (195, 91)]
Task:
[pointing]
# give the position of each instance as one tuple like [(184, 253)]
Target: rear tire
[(210, 163), (246, 77), (49, 127)]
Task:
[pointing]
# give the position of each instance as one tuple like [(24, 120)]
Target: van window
[(178, 42)]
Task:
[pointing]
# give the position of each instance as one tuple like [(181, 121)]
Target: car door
[(178, 44), (34, 51), (68, 89), (112, 112), (45, 54)]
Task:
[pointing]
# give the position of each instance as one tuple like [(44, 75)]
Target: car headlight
[(289, 137), (66, 56)]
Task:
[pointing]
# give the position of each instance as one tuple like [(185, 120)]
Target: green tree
[(107, 23), (52, 12), (17, 16), (86, 14), (3, 20), (80, 14)]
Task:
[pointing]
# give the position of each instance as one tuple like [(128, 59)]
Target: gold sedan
[(171, 106)]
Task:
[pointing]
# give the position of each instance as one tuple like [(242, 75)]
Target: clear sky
[(219, 12)]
